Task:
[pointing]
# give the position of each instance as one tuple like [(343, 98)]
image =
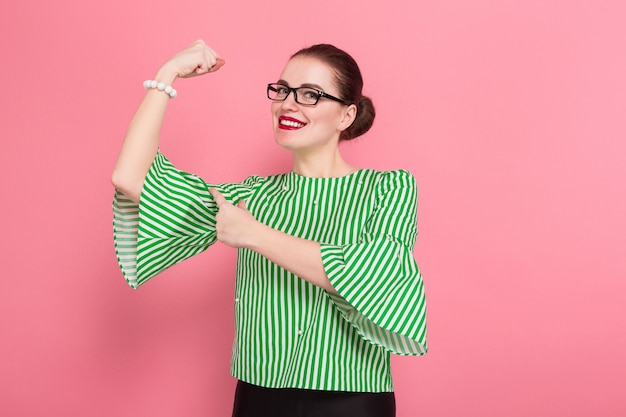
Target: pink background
[(509, 113)]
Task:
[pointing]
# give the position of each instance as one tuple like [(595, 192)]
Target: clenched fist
[(196, 59)]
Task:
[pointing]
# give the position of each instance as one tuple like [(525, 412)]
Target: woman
[(327, 286)]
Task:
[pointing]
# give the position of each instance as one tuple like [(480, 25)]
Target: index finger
[(218, 197)]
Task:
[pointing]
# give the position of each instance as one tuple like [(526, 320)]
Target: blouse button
[(285, 187), (360, 181), (314, 201), (300, 332), (237, 299)]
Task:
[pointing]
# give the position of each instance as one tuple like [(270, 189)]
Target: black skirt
[(254, 401)]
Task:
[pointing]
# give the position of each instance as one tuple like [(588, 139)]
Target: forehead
[(307, 70)]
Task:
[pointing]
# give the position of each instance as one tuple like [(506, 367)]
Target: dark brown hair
[(350, 84)]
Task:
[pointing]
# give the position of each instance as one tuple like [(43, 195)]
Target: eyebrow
[(283, 82)]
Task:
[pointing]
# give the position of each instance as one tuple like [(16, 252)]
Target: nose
[(289, 103)]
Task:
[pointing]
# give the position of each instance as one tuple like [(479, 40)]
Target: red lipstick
[(289, 123)]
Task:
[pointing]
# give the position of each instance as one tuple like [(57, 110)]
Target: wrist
[(259, 234), (166, 75)]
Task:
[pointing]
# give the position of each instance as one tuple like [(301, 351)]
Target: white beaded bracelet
[(167, 89)]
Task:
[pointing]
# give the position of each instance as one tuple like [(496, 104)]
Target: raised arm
[(142, 137)]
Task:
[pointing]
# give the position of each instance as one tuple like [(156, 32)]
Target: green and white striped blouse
[(290, 333)]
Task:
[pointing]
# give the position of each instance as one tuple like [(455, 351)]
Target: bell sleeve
[(379, 285), (174, 220)]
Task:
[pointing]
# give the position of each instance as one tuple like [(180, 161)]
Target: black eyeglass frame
[(273, 87)]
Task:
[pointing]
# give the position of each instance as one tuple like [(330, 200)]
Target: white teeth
[(290, 123)]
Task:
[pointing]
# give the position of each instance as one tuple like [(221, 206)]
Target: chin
[(288, 145), (287, 141)]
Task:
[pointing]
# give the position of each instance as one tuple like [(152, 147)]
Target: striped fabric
[(290, 333)]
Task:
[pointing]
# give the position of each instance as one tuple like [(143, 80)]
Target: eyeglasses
[(307, 96)]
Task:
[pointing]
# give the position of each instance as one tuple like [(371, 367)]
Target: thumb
[(218, 64), (242, 204)]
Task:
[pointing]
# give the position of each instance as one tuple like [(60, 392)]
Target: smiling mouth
[(289, 123)]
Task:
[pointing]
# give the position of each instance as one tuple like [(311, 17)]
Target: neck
[(321, 164)]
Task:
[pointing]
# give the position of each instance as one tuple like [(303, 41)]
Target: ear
[(348, 117)]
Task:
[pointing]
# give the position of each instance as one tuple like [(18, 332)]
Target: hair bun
[(364, 119)]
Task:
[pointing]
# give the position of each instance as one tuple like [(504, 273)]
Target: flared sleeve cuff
[(174, 220), (380, 292)]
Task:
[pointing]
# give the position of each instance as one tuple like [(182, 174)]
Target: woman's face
[(300, 127)]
